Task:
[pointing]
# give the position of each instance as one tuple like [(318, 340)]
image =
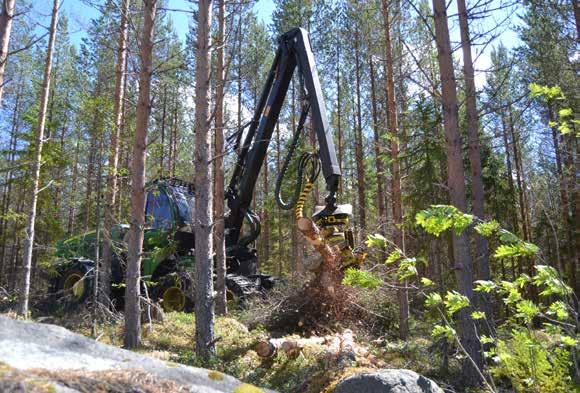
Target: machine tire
[(75, 284), (174, 292), (239, 288)]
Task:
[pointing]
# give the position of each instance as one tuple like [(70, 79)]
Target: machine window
[(158, 210)]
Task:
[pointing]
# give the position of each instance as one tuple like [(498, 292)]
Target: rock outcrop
[(388, 381), (56, 355)]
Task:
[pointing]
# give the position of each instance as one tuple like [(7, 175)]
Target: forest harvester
[(169, 242)]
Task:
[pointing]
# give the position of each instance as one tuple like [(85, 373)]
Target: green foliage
[(484, 286), (487, 228), (360, 278), (511, 292), (433, 299), (476, 315), (551, 95), (559, 310), (531, 364), (407, 268), (426, 282), (454, 301), (394, 256), (548, 278), (376, 240), (527, 310), (439, 218), (443, 331), (548, 92), (506, 236), (522, 249)]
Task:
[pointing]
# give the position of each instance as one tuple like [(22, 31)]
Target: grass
[(312, 370)]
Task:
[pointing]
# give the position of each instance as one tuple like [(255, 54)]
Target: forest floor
[(314, 368)]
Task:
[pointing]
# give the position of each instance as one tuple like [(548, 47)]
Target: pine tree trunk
[(338, 108), (565, 198), (35, 170), (6, 17), (472, 120), (280, 264), (265, 256), (456, 183), (204, 298), (8, 181), (396, 194), (132, 337), (381, 200), (219, 196), (73, 190), (111, 193), (360, 168), (573, 232)]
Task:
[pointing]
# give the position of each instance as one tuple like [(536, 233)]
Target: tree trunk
[(219, 230), (265, 256), (381, 200), (162, 131), (338, 108), (204, 298), (6, 17), (563, 166), (456, 184), (478, 191), (132, 337), (111, 194), (360, 168), (396, 194), (573, 232), (8, 181), (73, 191), (280, 264), (35, 169)]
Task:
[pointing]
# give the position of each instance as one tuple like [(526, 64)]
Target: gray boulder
[(388, 381), (29, 345)]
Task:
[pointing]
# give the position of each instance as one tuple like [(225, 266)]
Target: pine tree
[(204, 297), (132, 336)]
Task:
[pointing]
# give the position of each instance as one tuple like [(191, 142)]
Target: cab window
[(158, 210)]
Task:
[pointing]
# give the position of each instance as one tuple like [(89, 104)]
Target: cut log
[(328, 274), (290, 346), (341, 347)]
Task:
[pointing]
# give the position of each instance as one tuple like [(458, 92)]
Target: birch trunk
[(35, 170), (132, 337)]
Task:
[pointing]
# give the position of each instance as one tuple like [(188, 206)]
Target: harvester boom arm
[(293, 51)]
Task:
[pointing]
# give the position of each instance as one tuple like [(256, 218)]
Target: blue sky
[(80, 14)]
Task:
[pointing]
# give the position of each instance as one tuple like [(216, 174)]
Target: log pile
[(340, 346)]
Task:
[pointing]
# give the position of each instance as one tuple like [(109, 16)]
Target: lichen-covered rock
[(29, 345), (388, 381)]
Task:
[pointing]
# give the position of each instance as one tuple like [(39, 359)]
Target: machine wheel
[(239, 288), (174, 292), (75, 284)]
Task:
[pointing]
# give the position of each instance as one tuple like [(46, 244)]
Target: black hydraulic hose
[(255, 228), (305, 159)]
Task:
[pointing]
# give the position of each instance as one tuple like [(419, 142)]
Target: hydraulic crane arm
[(293, 52)]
